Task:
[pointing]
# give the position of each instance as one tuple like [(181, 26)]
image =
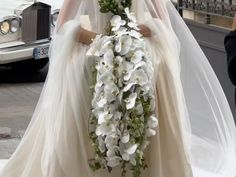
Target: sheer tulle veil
[(208, 127)]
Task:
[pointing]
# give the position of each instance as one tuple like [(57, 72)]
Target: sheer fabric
[(196, 134)]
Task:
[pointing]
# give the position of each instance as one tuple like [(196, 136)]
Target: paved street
[(18, 97)]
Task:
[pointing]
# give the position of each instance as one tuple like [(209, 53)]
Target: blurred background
[(25, 34)]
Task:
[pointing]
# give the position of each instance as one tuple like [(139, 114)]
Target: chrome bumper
[(18, 51)]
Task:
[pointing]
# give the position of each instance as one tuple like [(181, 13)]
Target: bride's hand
[(145, 31)]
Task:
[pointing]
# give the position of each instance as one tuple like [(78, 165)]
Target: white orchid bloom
[(106, 77), (150, 132), (102, 146), (104, 117), (137, 56), (133, 25), (132, 149), (139, 77), (105, 46), (117, 22), (110, 141), (130, 15), (141, 64), (94, 46), (126, 137), (133, 160), (117, 115), (111, 91), (123, 45), (152, 122), (126, 156), (121, 31), (139, 109), (119, 60), (113, 161), (98, 43), (125, 68), (131, 101), (137, 44), (108, 59), (101, 102), (128, 86), (105, 129), (136, 35)]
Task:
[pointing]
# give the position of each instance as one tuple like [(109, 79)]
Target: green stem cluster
[(113, 6)]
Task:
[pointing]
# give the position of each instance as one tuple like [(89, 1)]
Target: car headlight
[(54, 16), (15, 25), (10, 24), (5, 27)]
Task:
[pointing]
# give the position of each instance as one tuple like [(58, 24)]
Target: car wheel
[(30, 65)]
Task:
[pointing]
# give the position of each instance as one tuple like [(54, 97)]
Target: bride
[(196, 136)]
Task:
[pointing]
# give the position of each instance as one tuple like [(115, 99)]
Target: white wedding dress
[(196, 136)]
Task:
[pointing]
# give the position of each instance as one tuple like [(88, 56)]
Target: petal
[(127, 87), (126, 156), (150, 132), (131, 101), (131, 150), (126, 137)]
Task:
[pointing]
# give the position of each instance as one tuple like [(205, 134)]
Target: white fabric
[(196, 136)]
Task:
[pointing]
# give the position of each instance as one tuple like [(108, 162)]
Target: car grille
[(36, 22)]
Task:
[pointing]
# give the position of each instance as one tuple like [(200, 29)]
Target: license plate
[(41, 52)]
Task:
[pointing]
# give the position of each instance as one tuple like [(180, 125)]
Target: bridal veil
[(208, 126)]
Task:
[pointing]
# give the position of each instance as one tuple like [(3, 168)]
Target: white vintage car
[(25, 32)]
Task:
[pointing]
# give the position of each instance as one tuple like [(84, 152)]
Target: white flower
[(97, 44), (94, 46), (103, 117), (111, 141), (139, 109), (117, 22), (139, 77), (105, 77), (108, 45), (108, 59), (133, 25), (130, 16), (132, 149), (111, 153), (131, 101), (119, 60), (126, 137), (125, 68), (105, 129), (126, 156), (111, 91), (137, 44), (117, 115), (101, 102), (152, 122), (141, 64), (136, 35), (123, 44), (102, 146), (150, 132), (113, 161), (128, 86), (121, 31), (137, 56)]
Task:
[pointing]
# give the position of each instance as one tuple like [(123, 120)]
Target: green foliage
[(113, 6)]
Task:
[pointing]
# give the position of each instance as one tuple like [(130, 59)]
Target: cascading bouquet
[(123, 106)]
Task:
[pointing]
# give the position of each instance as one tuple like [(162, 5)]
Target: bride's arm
[(85, 36)]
